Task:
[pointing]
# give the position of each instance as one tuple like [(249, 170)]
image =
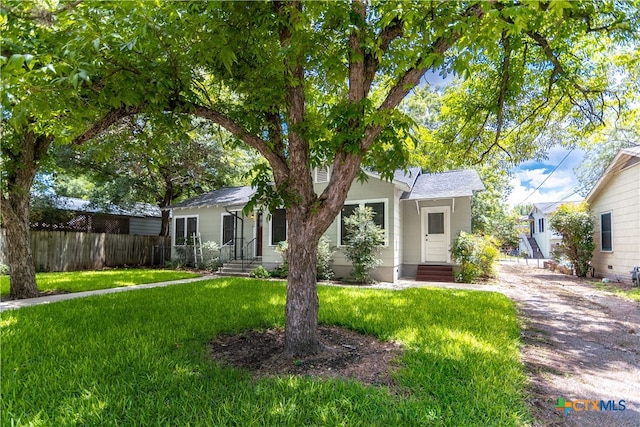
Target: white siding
[(621, 197)]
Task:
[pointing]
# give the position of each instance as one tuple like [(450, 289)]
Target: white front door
[(435, 234)]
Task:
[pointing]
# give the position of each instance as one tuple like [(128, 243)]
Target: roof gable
[(626, 158), (445, 185), (402, 179)]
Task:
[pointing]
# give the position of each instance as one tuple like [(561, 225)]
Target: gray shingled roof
[(424, 186), (445, 185), (399, 176), (233, 196), (75, 204)]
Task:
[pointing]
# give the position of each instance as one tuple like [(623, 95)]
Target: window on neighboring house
[(321, 174), (606, 236), (278, 226), (540, 225), (185, 228), (349, 208)]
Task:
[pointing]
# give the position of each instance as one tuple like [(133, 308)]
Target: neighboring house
[(541, 236), (421, 215), (83, 216), (615, 203)]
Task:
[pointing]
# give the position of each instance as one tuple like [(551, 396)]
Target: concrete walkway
[(13, 304)]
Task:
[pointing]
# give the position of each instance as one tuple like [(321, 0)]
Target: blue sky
[(559, 184)]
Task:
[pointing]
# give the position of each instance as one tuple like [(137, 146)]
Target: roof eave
[(606, 176)]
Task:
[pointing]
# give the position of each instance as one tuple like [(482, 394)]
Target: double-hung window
[(228, 229), (185, 228), (606, 232), (379, 217), (278, 226)]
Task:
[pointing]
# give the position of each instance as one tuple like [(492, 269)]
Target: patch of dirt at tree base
[(347, 355)]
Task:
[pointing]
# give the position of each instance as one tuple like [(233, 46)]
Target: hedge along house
[(421, 215), (615, 204)]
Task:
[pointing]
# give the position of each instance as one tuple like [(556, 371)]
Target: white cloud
[(558, 186)]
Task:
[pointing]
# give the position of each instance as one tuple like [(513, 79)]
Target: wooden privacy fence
[(70, 251)]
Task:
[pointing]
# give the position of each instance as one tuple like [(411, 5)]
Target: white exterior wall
[(412, 228), (621, 197), (547, 238), (372, 190), (210, 223)]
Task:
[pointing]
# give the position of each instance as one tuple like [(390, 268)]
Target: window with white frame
[(278, 226), (540, 225), (184, 229), (606, 232), (379, 208)]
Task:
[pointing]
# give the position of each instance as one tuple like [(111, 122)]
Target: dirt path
[(579, 344)]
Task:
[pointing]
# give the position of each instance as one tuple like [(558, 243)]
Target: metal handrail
[(248, 249), (225, 251)]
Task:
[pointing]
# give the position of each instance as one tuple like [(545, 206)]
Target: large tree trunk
[(22, 166), (301, 329), (166, 220), (15, 215), (14, 205)]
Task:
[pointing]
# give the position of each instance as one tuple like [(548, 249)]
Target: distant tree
[(490, 214), (156, 160), (601, 149), (575, 224)]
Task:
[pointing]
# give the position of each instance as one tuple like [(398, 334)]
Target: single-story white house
[(615, 203), (421, 214)]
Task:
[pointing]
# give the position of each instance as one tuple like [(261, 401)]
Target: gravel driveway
[(579, 343)]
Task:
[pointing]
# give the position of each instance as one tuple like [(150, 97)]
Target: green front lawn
[(142, 358), (79, 281)]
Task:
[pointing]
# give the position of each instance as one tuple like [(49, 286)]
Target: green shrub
[(477, 256), (260, 273), (325, 258), (575, 224), (364, 240), (280, 272)]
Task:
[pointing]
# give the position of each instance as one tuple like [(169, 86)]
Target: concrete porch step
[(238, 267), (435, 273)]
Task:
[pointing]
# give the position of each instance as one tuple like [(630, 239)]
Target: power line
[(548, 176)]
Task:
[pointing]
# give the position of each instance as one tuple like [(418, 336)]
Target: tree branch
[(388, 34), (356, 54), (103, 124), (503, 86), (240, 133), (590, 111)]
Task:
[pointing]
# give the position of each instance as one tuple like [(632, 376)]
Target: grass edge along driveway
[(141, 358), (80, 281)]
